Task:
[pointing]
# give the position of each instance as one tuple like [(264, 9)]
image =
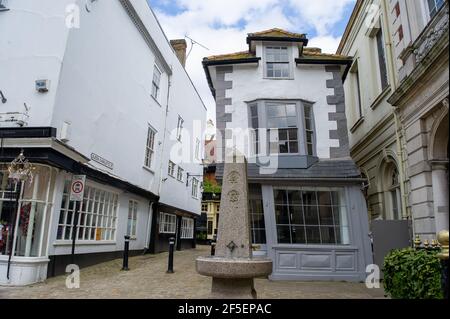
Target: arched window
[(395, 195)]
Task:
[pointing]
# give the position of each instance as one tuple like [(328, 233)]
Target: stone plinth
[(233, 266)]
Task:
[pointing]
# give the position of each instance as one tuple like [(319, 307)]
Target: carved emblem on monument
[(233, 177), (233, 196)]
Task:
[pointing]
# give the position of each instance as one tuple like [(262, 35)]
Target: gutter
[(348, 63)]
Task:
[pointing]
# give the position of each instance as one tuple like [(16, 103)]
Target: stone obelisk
[(233, 266)]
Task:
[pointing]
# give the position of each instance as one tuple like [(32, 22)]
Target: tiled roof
[(308, 53), (276, 32), (315, 53), (231, 56)]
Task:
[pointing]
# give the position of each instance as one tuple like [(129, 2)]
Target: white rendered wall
[(309, 83), (33, 38)]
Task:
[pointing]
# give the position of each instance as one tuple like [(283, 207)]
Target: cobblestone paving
[(148, 279)]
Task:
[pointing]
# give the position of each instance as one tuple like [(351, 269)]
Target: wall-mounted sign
[(98, 159), (77, 188)]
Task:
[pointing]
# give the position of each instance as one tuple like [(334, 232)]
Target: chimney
[(180, 47)]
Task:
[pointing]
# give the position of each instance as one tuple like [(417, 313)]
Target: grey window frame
[(344, 224), (289, 61), (262, 121)]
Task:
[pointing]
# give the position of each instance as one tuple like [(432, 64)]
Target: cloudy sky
[(222, 26)]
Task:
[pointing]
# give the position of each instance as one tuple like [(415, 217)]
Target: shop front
[(25, 214)]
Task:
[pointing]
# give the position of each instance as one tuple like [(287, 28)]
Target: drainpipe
[(401, 164), (149, 228), (169, 84), (395, 111)]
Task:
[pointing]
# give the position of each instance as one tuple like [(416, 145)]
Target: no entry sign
[(77, 188)]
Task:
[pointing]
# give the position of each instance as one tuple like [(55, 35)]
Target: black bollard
[(171, 249), (125, 253), (213, 245), (213, 248)]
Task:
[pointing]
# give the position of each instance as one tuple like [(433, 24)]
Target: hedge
[(412, 274)]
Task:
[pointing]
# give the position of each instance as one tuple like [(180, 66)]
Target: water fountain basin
[(237, 268)]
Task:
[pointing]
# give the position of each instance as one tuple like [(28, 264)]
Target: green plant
[(412, 274), (209, 187)]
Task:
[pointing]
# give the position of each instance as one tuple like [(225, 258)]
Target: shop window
[(187, 228), (27, 205), (97, 217), (257, 226), (311, 216), (132, 218), (167, 223)]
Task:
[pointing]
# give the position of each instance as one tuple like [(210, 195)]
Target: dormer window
[(277, 62)]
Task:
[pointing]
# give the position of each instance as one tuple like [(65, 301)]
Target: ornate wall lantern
[(20, 169)]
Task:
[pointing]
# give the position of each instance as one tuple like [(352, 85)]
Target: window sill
[(380, 97), (148, 169), (196, 198), (166, 233), (267, 78), (357, 124), (82, 243)]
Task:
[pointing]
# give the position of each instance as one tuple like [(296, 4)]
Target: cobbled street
[(148, 279)]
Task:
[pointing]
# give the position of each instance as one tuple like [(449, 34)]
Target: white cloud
[(328, 44), (222, 26)]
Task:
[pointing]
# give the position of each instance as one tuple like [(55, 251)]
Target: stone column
[(440, 194)]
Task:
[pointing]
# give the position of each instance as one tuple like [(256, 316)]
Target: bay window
[(24, 213), (282, 124), (311, 216), (287, 128)]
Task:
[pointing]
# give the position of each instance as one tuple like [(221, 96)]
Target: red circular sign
[(77, 187)]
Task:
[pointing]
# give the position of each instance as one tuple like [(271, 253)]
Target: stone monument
[(233, 267)]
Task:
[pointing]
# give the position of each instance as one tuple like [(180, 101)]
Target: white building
[(283, 106), (95, 89)]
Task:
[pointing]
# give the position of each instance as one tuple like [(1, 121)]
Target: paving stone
[(148, 279)]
